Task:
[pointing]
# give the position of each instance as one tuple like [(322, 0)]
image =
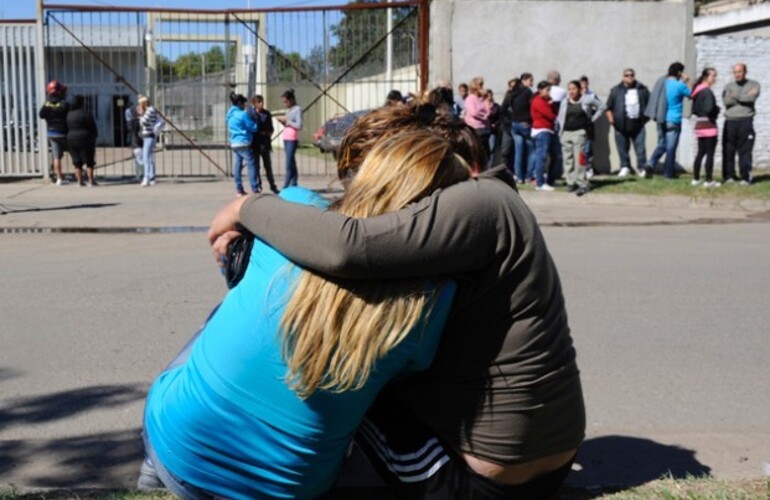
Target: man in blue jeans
[(665, 107)]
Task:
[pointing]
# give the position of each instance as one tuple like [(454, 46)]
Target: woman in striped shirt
[(148, 118)]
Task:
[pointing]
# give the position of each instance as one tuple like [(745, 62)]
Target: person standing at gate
[(81, 140), (292, 123), (261, 142), (740, 98), (242, 129), (148, 119), (54, 112), (135, 139)]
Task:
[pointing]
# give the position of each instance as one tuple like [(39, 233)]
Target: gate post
[(42, 129), (424, 27)]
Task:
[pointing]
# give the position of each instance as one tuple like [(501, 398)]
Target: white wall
[(499, 39)]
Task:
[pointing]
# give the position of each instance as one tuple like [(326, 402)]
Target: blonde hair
[(476, 85), (335, 331)]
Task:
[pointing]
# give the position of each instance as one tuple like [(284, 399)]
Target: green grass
[(667, 488), (657, 186), (705, 488)]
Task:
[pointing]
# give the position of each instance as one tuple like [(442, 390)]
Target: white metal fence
[(19, 146)]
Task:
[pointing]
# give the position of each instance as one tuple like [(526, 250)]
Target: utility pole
[(389, 49), (45, 166)]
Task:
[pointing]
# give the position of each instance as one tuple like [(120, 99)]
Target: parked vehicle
[(328, 137)]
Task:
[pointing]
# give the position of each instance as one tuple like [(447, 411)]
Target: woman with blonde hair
[(500, 412), (477, 112), (278, 379)]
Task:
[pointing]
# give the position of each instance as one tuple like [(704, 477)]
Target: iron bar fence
[(337, 60)]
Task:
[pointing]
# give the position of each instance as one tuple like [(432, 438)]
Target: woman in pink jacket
[(477, 111)]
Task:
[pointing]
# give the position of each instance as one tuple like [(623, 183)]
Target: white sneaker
[(152, 182), (745, 183), (695, 182), (545, 187), (712, 184), (589, 173), (640, 171), (145, 182), (61, 182), (624, 172)]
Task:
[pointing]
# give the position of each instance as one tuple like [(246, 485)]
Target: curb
[(641, 201)]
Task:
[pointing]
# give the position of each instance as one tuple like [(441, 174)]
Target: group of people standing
[(631, 105), (535, 123), (251, 133), (71, 127)]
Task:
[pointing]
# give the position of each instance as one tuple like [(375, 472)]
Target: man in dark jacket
[(262, 140), (54, 112), (506, 120), (135, 139), (625, 111)]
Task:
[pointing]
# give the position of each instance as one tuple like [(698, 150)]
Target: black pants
[(506, 146), (483, 136), (707, 146), (737, 136), (418, 465), (262, 151), (82, 150)]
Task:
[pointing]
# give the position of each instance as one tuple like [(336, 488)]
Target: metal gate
[(338, 60), (18, 100)]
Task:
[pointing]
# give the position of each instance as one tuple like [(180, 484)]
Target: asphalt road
[(670, 324)]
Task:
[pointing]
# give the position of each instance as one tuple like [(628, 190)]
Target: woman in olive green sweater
[(503, 396)]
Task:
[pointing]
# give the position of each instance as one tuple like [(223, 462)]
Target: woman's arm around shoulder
[(453, 230)]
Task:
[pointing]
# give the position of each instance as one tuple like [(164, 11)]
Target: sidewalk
[(189, 204)]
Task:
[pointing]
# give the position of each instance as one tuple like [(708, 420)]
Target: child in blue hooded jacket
[(242, 127)]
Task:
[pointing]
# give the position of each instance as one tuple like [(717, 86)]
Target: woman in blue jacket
[(242, 128), (277, 381)]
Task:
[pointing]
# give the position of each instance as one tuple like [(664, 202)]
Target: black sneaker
[(648, 172), (581, 191)]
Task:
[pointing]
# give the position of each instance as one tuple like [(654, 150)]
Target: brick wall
[(721, 52)]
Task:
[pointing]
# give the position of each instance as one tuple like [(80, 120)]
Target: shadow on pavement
[(620, 462), (106, 460), (598, 183), (10, 209), (66, 404), (103, 460)]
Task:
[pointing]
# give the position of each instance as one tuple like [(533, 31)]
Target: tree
[(359, 31), (289, 67)]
